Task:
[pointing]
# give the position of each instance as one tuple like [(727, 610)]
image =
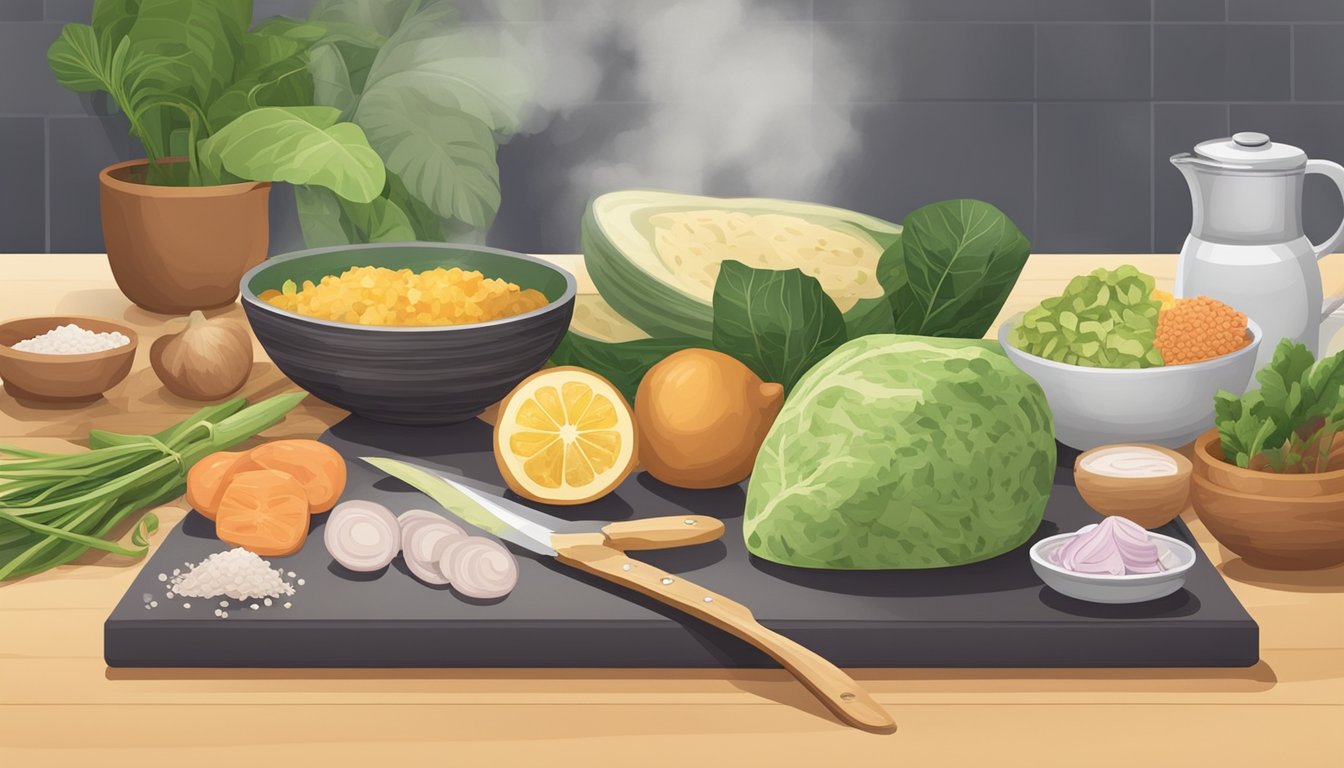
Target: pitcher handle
[(1335, 173)]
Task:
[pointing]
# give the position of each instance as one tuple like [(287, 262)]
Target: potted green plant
[(221, 112), (435, 97), (1269, 478)]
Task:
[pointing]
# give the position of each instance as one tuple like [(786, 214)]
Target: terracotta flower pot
[(175, 249), (1291, 522)]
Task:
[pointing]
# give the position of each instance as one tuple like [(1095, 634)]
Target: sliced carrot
[(264, 511), (316, 465), (207, 479)]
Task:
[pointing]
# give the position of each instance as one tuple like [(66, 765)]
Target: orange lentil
[(1198, 329)]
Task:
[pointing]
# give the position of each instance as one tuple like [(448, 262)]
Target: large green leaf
[(318, 32), (259, 51), (379, 221), (299, 145), (962, 259), (779, 323), (428, 224), (284, 84), (381, 16), (112, 19), (271, 72), (186, 49), (445, 157), (321, 219), (458, 69), (331, 80)]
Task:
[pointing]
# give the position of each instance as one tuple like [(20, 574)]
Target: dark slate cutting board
[(990, 614)]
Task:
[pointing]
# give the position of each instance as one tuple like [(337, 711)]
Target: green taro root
[(903, 452), (1106, 319)]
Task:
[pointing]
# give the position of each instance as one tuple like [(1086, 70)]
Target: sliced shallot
[(362, 535), (479, 567), (424, 535)]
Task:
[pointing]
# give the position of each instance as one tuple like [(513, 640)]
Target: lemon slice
[(565, 436)]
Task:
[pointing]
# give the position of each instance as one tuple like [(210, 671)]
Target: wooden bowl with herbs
[(1269, 479), (47, 366)]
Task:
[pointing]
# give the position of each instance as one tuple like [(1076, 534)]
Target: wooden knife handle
[(833, 687), (663, 532)]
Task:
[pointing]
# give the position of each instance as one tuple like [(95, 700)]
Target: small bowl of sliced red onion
[(1114, 561)]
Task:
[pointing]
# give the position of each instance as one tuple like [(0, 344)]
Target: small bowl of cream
[(1114, 561), (1147, 484)]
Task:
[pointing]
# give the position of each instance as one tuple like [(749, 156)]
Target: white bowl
[(1175, 554), (1169, 405)]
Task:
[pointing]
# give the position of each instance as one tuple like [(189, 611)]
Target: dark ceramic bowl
[(409, 375)]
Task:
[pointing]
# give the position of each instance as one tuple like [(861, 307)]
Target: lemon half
[(565, 436)]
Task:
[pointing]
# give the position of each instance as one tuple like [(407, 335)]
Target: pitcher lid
[(1252, 151)]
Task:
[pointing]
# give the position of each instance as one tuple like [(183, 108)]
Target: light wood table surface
[(61, 705)]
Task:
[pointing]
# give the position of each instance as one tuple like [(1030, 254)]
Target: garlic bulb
[(208, 360)]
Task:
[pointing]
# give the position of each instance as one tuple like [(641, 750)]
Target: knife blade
[(601, 552), (533, 529)]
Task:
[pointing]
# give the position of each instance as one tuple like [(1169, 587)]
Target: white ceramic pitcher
[(1246, 246)]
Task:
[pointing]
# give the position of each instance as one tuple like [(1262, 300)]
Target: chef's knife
[(599, 549)]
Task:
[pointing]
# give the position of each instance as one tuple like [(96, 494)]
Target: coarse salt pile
[(236, 573), (72, 340)]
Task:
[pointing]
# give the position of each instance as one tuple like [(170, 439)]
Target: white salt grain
[(237, 573), (163, 577), (218, 612), (153, 603), (300, 582), (255, 606), (72, 340), (290, 574), (287, 605), (223, 614), (186, 605)]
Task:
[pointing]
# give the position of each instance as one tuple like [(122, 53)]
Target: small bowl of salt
[(64, 359)]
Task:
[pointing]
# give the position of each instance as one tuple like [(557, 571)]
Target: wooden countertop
[(61, 705)]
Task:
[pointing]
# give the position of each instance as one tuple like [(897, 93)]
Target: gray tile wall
[(1061, 112)]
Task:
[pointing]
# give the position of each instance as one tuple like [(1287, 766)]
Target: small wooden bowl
[(50, 378), (1149, 501), (1277, 522)]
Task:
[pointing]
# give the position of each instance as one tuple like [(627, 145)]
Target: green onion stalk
[(54, 507)]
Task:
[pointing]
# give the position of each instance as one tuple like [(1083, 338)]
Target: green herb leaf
[(961, 258), (1292, 418), (623, 364), (779, 323), (79, 61)]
